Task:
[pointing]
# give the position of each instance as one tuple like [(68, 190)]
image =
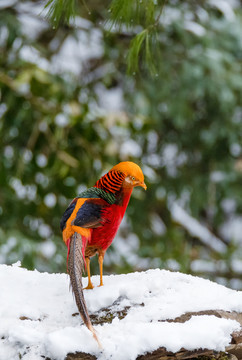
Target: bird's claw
[(89, 287)]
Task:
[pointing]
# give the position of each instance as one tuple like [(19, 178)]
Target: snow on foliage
[(36, 314), (196, 229)]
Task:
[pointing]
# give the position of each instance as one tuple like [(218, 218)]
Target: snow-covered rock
[(38, 315)]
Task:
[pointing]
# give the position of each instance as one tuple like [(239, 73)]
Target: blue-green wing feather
[(94, 192)]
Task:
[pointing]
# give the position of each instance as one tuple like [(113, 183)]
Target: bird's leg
[(89, 285), (100, 260)]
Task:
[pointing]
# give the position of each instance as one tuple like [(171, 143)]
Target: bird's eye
[(133, 178)]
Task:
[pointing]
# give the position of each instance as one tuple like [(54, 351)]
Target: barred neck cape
[(106, 188), (111, 182)]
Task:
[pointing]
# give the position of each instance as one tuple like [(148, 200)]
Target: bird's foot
[(89, 287), (101, 284)]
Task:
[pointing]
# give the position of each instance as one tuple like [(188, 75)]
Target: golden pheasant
[(90, 224)]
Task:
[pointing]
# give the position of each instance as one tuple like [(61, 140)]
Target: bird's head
[(133, 174)]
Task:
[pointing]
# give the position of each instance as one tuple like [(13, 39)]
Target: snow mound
[(38, 314)]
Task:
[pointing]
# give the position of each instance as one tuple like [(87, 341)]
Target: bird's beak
[(142, 184)]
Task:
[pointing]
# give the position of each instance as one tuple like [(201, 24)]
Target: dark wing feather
[(89, 215), (67, 214)]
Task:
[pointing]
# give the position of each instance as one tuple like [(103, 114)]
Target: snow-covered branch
[(133, 314)]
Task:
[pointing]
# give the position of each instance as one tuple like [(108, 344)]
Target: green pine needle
[(132, 12), (148, 55), (121, 12), (141, 44), (134, 51), (60, 11)]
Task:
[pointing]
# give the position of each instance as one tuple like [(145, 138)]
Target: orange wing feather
[(71, 229)]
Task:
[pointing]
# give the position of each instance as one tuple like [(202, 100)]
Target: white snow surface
[(36, 314)]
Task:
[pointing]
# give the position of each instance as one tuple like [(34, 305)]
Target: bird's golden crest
[(130, 169)]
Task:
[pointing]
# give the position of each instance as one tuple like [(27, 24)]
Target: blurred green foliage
[(69, 112)]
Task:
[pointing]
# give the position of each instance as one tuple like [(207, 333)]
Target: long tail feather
[(76, 265)]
